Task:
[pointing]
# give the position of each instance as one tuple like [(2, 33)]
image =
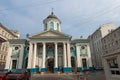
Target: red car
[(3, 75), (19, 74)]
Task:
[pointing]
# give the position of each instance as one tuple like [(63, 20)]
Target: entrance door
[(50, 65), (84, 63), (73, 64), (14, 62)]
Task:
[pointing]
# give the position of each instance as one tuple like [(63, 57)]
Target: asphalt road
[(99, 75)]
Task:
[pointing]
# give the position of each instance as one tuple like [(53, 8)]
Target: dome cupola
[(52, 23)]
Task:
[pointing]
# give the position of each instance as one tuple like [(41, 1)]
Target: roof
[(80, 40), (111, 32), (17, 41), (7, 30)]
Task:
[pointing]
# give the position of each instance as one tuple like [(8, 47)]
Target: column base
[(5, 70), (67, 69), (33, 69), (55, 70), (91, 68), (43, 70), (79, 69)]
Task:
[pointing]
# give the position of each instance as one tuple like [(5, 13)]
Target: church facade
[(49, 51)]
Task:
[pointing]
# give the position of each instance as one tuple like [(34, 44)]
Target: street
[(98, 75)]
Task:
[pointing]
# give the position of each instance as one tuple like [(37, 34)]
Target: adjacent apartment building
[(111, 55), (5, 35), (96, 44)]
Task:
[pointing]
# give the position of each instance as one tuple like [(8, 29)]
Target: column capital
[(34, 42), (43, 42), (31, 43), (68, 42), (64, 42), (55, 42)]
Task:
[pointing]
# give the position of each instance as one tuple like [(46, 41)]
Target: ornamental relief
[(72, 49), (15, 51), (83, 50)]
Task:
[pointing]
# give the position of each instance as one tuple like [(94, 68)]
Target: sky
[(78, 17)]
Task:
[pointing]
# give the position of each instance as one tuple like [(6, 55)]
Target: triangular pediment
[(50, 34)]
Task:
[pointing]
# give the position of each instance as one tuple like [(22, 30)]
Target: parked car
[(19, 74), (3, 75)]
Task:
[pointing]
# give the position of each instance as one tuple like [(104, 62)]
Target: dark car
[(3, 75), (19, 74)]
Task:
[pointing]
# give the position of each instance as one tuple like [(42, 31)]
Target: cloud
[(79, 17)]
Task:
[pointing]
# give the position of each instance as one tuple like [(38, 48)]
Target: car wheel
[(28, 79)]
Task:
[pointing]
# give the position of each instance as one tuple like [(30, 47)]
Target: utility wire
[(100, 14), (104, 8), (31, 5)]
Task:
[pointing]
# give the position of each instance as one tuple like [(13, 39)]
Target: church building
[(50, 51)]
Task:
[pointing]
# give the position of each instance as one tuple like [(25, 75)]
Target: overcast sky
[(78, 17)]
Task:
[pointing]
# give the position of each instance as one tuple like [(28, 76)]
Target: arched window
[(57, 26), (51, 25), (46, 26)]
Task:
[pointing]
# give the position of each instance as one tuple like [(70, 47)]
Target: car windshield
[(18, 71)]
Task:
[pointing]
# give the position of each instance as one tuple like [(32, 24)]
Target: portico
[(49, 50)]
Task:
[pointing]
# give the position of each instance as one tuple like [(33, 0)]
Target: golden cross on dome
[(52, 11)]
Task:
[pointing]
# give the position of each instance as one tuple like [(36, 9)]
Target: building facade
[(18, 54), (111, 55), (96, 43), (51, 51), (5, 35)]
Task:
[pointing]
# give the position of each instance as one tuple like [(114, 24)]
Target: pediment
[(50, 34)]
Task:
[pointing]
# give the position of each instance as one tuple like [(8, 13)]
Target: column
[(56, 56), (69, 55), (8, 59), (64, 48), (89, 56), (21, 57), (43, 58), (78, 56), (30, 56), (0, 45), (34, 56)]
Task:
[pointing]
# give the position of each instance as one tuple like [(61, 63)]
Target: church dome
[(52, 22), (51, 16)]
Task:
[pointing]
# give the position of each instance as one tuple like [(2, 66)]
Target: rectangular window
[(113, 63), (112, 72), (117, 72)]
